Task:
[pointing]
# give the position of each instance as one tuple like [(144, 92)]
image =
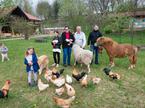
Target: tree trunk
[(26, 37)]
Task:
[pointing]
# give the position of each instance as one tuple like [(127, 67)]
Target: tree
[(23, 27), (27, 7), (126, 6), (101, 6), (56, 7), (44, 10), (73, 12), (6, 3)]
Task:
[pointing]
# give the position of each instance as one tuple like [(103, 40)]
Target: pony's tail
[(136, 49)]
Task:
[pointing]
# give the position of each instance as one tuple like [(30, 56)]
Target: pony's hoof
[(131, 67), (74, 64), (89, 70), (112, 65)]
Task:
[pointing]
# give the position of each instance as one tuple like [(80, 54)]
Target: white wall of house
[(139, 23)]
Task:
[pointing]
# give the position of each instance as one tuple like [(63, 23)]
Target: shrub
[(116, 24), (107, 29), (23, 27)]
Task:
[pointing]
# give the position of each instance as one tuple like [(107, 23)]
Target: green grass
[(129, 92)]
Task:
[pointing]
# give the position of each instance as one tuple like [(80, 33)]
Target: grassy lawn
[(129, 92)]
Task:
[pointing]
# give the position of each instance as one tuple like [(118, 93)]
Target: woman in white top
[(80, 37)]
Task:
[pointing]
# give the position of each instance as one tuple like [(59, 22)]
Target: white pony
[(82, 56)]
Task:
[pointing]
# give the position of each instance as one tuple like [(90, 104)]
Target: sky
[(35, 2)]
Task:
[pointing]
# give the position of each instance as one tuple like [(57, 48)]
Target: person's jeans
[(56, 57), (66, 55), (95, 51), (30, 76)]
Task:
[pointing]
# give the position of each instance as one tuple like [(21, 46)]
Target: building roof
[(31, 17), (17, 11), (135, 13)]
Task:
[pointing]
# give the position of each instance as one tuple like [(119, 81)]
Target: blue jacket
[(35, 64)]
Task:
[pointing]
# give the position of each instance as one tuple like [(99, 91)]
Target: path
[(32, 37)]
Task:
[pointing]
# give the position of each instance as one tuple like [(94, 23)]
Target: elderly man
[(94, 35), (80, 37)]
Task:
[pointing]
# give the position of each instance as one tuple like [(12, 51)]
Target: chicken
[(112, 75), (84, 81), (57, 73), (42, 86), (96, 80), (75, 71), (107, 71), (43, 63), (77, 75), (48, 75), (58, 82), (59, 91), (69, 79), (5, 89), (70, 90), (54, 69), (63, 103)]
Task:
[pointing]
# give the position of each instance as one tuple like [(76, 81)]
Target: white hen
[(96, 80), (58, 82), (69, 79), (42, 86)]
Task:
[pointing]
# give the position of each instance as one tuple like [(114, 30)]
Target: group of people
[(66, 41)]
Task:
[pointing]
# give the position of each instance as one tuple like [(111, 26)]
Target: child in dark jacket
[(32, 66), (56, 43)]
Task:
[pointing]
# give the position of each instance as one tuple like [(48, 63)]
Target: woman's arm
[(84, 40), (59, 41), (73, 38)]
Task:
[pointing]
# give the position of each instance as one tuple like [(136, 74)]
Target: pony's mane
[(110, 39)]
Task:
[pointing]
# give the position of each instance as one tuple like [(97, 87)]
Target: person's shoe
[(35, 83), (57, 65), (54, 64), (69, 65), (64, 65), (29, 84)]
